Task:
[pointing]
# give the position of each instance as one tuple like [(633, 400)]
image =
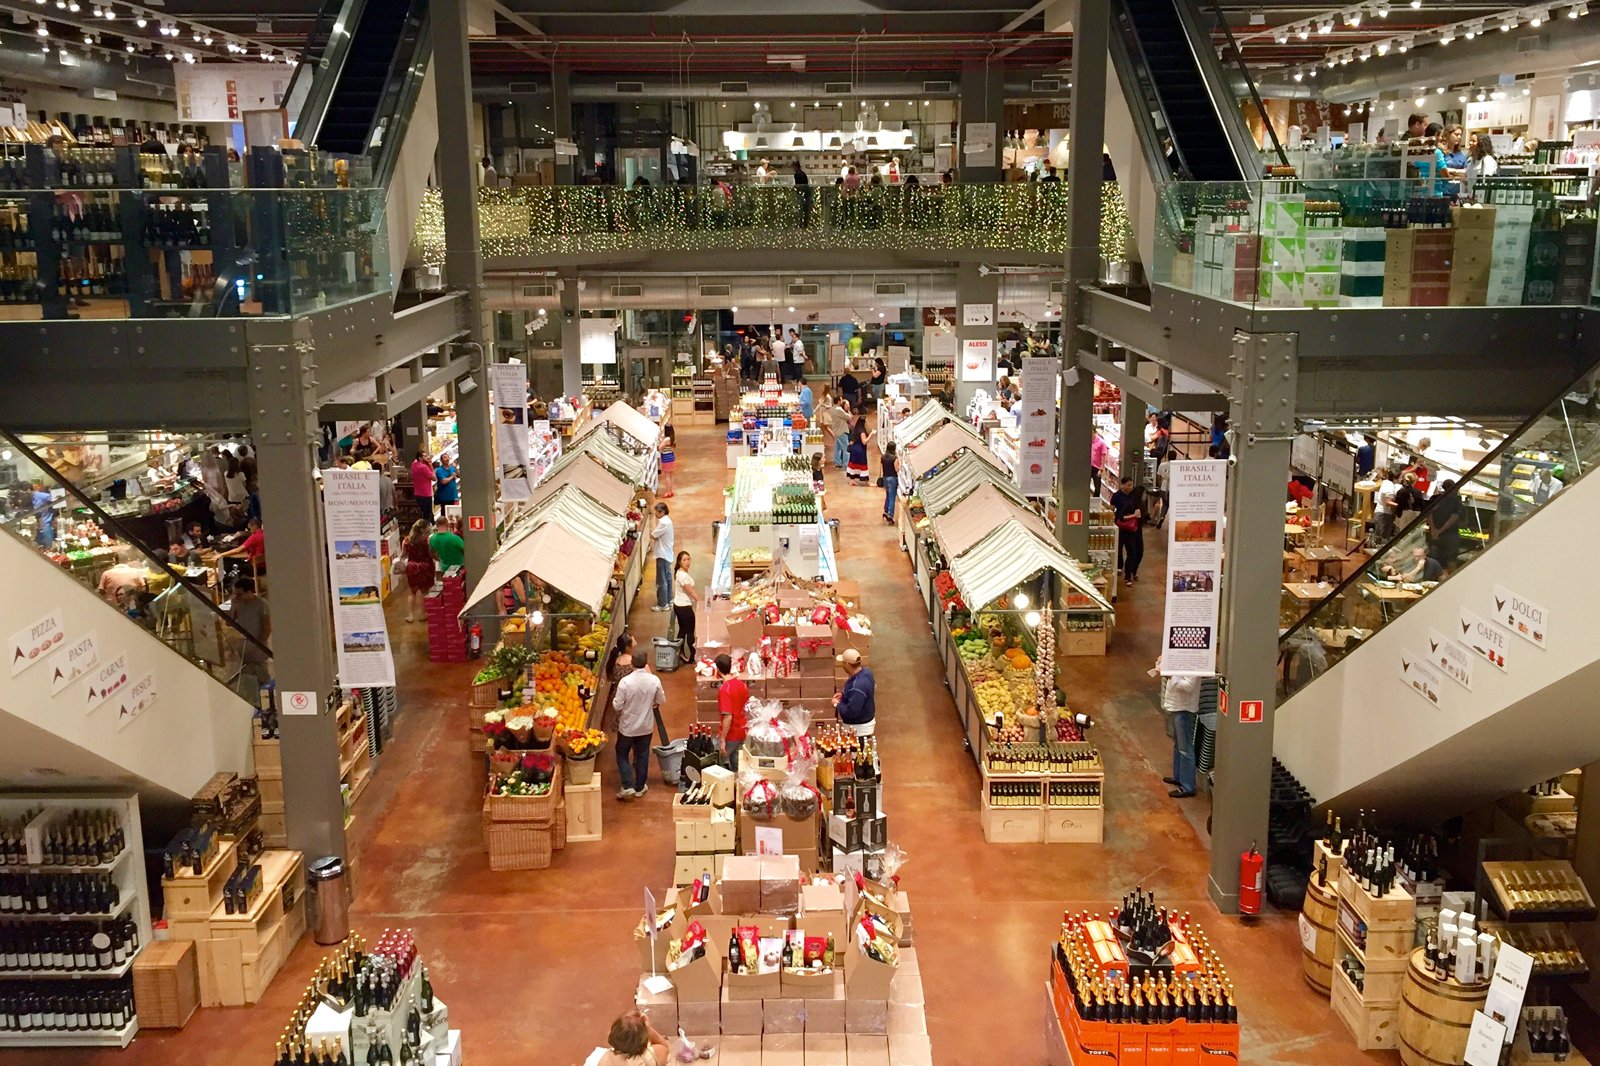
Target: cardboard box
[(700, 981), (780, 884), (779, 632), (786, 1049), (844, 833), (700, 1020), (744, 631), (783, 688), (799, 834), (906, 988), (825, 1049), (660, 1007), (740, 1017), (719, 927), (653, 954), (811, 984), (822, 914), (748, 986), (866, 1050), (683, 836), (739, 1051), (720, 780), (865, 1015), (740, 885), (823, 667), (908, 961), (819, 690), (814, 642), (910, 1049), (907, 1018), (697, 812), (827, 1015), (1473, 218), (724, 831), (785, 1016)]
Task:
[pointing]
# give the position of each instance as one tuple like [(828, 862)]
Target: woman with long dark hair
[(859, 437), (619, 663), (684, 600)]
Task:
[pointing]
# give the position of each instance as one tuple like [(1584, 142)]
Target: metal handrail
[(1134, 67), (405, 87), (1223, 100), (1249, 82), (319, 71)]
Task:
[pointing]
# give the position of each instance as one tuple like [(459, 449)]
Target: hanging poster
[(221, 92), (73, 661), (978, 144), (1036, 452), (597, 341), (350, 510), (1484, 638), (977, 360), (1197, 491), (509, 384)]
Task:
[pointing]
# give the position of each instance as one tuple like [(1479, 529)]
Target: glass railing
[(1533, 465), (138, 562), (1377, 242), (545, 220), (109, 253)]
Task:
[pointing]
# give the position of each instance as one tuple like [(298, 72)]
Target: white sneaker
[(660, 608), (626, 793), (641, 790)]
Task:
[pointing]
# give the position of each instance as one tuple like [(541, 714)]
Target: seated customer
[(1421, 568)]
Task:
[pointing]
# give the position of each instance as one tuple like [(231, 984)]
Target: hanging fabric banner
[(1198, 492), (509, 383), (355, 573), (1036, 451)]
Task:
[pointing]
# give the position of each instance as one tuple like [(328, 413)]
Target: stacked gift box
[(446, 642), (1361, 267), (1575, 261), (704, 833), (851, 994), (1283, 244), (858, 827), (779, 802), (1323, 254), (1472, 256), (1226, 252), (1508, 266)]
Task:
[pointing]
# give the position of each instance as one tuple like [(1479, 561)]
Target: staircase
[(1486, 681)]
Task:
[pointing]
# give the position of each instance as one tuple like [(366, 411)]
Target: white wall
[(1360, 720), (194, 728), (53, 101), (409, 183), (1122, 144)]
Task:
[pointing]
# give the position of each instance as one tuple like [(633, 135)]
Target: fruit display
[(565, 686), (949, 596)]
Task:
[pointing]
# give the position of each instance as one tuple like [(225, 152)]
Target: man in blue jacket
[(856, 702)]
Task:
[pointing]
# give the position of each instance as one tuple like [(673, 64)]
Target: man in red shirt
[(253, 548), (732, 696)]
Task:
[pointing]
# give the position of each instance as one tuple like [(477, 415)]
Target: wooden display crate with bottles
[(1373, 938)]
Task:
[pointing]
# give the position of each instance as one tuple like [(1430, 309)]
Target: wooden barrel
[(1435, 1016), (1317, 915)]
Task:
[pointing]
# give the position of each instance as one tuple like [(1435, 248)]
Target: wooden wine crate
[(1372, 1027), (269, 758), (1394, 909), (244, 952), (1012, 825), (1320, 853), (273, 830), (584, 809), (195, 896), (282, 888), (1074, 825), (1078, 642), (1553, 871), (166, 984)]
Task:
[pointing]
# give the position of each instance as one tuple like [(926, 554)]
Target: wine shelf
[(128, 900), (47, 868), (1506, 878), (119, 1038), (70, 975)]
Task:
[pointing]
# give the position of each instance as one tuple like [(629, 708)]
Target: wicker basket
[(486, 694), (561, 825), (519, 847), (540, 809)]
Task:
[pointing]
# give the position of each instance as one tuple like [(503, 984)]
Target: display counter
[(772, 514)]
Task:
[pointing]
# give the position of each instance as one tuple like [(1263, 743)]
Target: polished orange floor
[(534, 965)]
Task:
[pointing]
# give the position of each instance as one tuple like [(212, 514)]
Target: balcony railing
[(1377, 242), (556, 220)]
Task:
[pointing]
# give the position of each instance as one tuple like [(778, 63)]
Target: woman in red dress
[(419, 569)]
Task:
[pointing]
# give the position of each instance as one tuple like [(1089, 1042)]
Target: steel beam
[(1130, 384), (430, 383), (372, 338)]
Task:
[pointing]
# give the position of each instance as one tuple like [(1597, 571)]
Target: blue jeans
[(732, 761), (634, 750), (840, 446), (663, 582), (1183, 749), (891, 488)]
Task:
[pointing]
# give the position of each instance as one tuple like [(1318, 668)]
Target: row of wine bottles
[(81, 838), (74, 947), (86, 894), (65, 1007)]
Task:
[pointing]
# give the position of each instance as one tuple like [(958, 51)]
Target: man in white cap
[(856, 701)]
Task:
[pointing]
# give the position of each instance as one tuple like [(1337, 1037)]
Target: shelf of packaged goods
[(1521, 936), (1372, 1027), (119, 1038), (355, 734), (1560, 868), (70, 975), (122, 908), (60, 868)]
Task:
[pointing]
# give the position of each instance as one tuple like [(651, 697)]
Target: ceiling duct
[(630, 88), (804, 289), (536, 292), (526, 88), (1045, 85), (889, 288), (933, 88), (714, 291), (838, 88), (627, 290), (734, 87)]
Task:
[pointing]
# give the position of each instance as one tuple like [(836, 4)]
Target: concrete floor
[(534, 965)]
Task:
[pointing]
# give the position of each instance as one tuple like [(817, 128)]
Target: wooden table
[(1318, 556), (1387, 597), (1306, 592)]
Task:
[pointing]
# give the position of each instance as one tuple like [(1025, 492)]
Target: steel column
[(1264, 382), (571, 336), (1130, 456), (1075, 428), (283, 425), (983, 99), (561, 119)]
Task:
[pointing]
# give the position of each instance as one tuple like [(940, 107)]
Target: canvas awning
[(631, 422), (557, 556), (634, 469), (952, 484), (1006, 558), (983, 510), (944, 442), (576, 510), (920, 424), (585, 472)]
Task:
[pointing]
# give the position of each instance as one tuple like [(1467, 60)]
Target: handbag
[(1129, 524)]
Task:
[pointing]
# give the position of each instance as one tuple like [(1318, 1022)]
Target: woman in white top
[(684, 599), (1480, 164)]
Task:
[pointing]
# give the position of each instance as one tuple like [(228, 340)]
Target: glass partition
[(1377, 242)]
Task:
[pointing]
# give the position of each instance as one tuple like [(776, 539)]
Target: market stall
[(942, 445), (929, 417), (768, 422), (934, 495), (635, 468), (772, 514)]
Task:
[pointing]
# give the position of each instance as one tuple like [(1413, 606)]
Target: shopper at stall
[(802, 185), (856, 703), (891, 483), (860, 437), (838, 423), (669, 461), (733, 695), (234, 488), (638, 697), (1127, 506), (808, 405), (634, 1042), (796, 356), (817, 483), (1444, 526), (1385, 506), (1419, 470), (1545, 485), (447, 546), (685, 598), (446, 483), (253, 549), (1097, 462), (1180, 700), (849, 389), (880, 379), (1366, 455), (1480, 164), (422, 478), (417, 556), (363, 445), (254, 616), (661, 535), (619, 664)]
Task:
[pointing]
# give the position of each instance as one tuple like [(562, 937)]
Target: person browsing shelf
[(856, 702), (733, 696)]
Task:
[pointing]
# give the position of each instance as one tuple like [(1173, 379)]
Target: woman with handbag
[(1127, 504), (419, 569)]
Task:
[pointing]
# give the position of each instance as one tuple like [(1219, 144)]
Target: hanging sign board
[(1197, 494), (509, 384), (1036, 451), (350, 509), (977, 360)]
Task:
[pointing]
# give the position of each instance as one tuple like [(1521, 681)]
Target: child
[(816, 473), (669, 461)]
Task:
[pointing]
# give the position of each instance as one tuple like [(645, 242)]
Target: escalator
[(1434, 699), (122, 669), (1184, 98)]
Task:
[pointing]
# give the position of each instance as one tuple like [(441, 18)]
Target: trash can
[(670, 756), (330, 900), (667, 654), (833, 529)]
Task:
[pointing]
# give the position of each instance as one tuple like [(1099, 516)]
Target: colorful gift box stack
[(1283, 244), (446, 642)]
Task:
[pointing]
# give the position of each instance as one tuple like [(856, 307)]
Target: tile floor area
[(534, 965)]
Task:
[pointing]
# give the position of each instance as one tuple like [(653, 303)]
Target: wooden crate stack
[(269, 778), (166, 984), (355, 771), (238, 954), (1371, 1013)]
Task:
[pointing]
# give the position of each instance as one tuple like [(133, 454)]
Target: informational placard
[(298, 702), (73, 662), (508, 382), (597, 341), (221, 92), (977, 360), (1487, 640), (1338, 470), (979, 143), (1197, 494), (350, 510), (939, 346), (1508, 986), (1485, 1040), (977, 314), (1303, 454), (1453, 658), (107, 681), (33, 643), (139, 698), (1521, 615), (1419, 677), (1036, 451)]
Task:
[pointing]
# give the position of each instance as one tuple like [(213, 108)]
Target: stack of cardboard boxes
[(858, 828), (1417, 269), (1508, 268), (1283, 245), (704, 835), (446, 642), (1361, 268), (861, 1012), (795, 837), (1472, 256), (1227, 256)]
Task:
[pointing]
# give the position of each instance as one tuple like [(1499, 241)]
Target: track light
[(1508, 25), (1353, 19), (1576, 10), (1305, 31), (1404, 46), (1447, 38), (1416, 4), (1471, 33), (1325, 26), (1282, 37), (206, 39), (1383, 10), (43, 30), (1298, 76), (129, 47), (111, 14), (1421, 100)]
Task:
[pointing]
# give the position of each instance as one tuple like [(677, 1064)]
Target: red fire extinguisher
[(475, 640), (1252, 880)]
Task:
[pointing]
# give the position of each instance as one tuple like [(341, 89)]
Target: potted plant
[(505, 664), (580, 747)]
